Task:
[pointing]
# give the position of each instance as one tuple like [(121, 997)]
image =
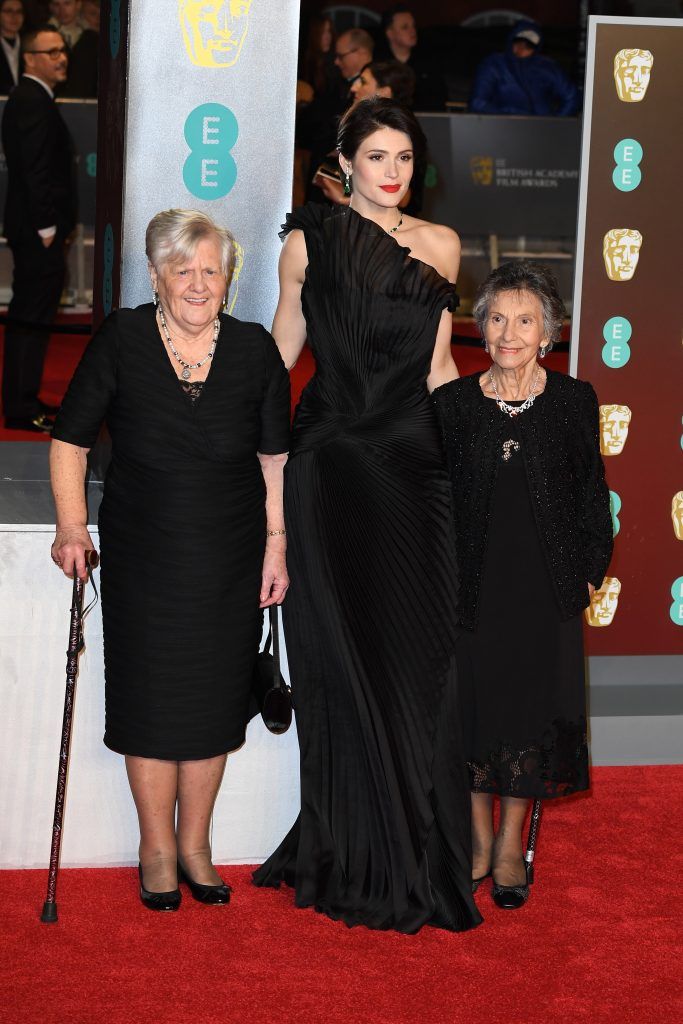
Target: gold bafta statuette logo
[(632, 70), (677, 514), (214, 30), (481, 169), (604, 602), (621, 252), (614, 422)]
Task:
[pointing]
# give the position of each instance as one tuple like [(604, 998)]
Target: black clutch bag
[(269, 690)]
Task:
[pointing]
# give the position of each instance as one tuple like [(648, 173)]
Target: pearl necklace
[(513, 410), (189, 367)]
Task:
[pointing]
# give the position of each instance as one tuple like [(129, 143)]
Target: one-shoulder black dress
[(383, 837), (182, 528)]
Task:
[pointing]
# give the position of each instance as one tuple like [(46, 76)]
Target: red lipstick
[(390, 188)]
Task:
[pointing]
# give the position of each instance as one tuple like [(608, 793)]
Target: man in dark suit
[(40, 214)]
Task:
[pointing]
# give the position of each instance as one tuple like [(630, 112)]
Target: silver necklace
[(189, 367), (391, 230), (513, 410)]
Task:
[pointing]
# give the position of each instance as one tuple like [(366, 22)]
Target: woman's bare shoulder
[(436, 244)]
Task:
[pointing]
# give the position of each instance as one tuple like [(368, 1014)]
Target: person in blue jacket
[(521, 80)]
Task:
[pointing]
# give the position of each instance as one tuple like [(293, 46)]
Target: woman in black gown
[(197, 405), (383, 834), (534, 533)]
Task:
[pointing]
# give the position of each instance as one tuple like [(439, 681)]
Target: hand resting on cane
[(68, 465)]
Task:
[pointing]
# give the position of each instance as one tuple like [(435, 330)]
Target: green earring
[(347, 184)]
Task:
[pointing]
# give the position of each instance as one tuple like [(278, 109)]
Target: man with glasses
[(353, 51), (40, 214)]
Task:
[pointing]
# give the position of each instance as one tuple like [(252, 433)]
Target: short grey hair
[(172, 236), (523, 276)]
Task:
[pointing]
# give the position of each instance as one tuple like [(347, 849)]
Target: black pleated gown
[(383, 837), (182, 528)]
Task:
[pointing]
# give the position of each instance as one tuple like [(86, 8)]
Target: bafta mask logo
[(621, 252), (214, 30), (481, 169), (677, 514), (601, 610), (632, 69), (614, 422)]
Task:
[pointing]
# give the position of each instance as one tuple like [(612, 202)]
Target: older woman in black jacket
[(534, 536)]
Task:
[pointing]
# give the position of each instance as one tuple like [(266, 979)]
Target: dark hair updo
[(370, 116)]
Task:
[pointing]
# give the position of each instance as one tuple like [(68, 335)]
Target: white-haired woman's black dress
[(383, 837), (182, 528)]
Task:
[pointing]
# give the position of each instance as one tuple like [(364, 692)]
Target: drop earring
[(347, 184), (155, 297), (543, 351)]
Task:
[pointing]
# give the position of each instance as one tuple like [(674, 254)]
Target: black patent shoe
[(158, 900), (512, 897), (211, 895), (476, 882)]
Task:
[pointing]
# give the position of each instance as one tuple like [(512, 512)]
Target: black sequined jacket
[(561, 450)]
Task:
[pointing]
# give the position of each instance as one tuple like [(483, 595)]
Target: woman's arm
[(447, 262), (443, 366), (274, 581), (289, 326), (67, 473)]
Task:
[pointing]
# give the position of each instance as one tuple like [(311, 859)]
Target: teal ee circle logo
[(615, 509), (108, 274), (627, 155), (91, 165), (617, 334), (114, 28), (676, 610), (210, 171)]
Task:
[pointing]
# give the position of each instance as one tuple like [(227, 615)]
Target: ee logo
[(676, 611), (627, 155), (211, 131), (615, 509), (617, 334)]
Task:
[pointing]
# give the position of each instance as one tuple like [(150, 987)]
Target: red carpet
[(596, 942), (65, 351)]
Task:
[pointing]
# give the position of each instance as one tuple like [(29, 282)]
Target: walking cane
[(49, 914), (534, 824)]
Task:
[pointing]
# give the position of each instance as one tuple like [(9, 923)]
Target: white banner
[(210, 126)]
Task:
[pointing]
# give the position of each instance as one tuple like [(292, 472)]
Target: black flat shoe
[(512, 897), (211, 895), (476, 882), (158, 900), (39, 424)]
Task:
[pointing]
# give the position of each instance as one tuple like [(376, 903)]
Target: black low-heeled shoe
[(158, 900), (476, 882), (512, 897), (211, 895)]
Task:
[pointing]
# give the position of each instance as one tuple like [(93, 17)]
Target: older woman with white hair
[(191, 531)]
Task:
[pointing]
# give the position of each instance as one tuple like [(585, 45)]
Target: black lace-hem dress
[(522, 669), (383, 837)]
